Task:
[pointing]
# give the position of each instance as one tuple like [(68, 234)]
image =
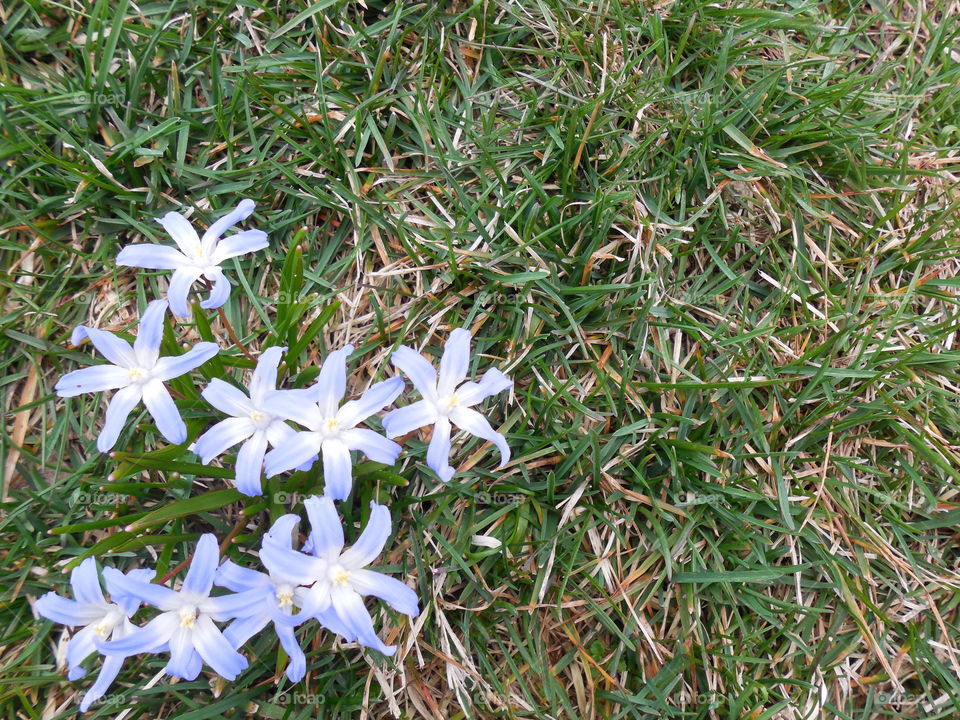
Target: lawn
[(714, 244)]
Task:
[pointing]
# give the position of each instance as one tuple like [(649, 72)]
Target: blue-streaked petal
[(150, 334), (351, 611), (314, 601), (438, 453), (181, 231), (139, 587), (397, 595), (409, 418), (179, 289), (249, 466), (233, 605), (292, 565), (128, 603), (241, 212), (81, 646), (146, 639), (164, 412), (216, 650), (328, 619), (326, 531), (203, 566), (370, 543), (227, 399), (337, 469), (182, 663), (65, 611), (121, 404), (476, 424), (492, 382), (240, 579), (279, 432), (455, 361), (298, 661), (151, 257), (108, 673), (418, 369), (376, 398), (225, 434), (244, 628), (373, 445), (85, 582), (113, 348), (241, 243), (95, 378), (292, 453), (290, 406), (264, 378), (219, 293), (173, 366), (281, 532), (332, 381)]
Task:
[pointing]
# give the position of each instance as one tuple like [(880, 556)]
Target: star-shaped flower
[(332, 429), (198, 256), (137, 373), (100, 618), (251, 423), (185, 628), (337, 578), (446, 399)]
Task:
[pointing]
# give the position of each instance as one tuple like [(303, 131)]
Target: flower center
[(339, 575), (188, 616), (103, 628), (138, 375), (259, 419), (284, 596), (448, 403), (331, 426)]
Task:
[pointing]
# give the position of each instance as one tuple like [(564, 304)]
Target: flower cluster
[(277, 429)]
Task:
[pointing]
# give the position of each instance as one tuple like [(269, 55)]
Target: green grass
[(714, 244)]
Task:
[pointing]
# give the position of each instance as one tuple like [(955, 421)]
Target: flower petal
[(350, 610), (438, 453), (408, 418), (337, 469), (85, 582), (219, 293), (328, 619), (401, 598), (225, 434), (65, 611), (244, 628), (241, 243), (113, 348), (326, 530), (95, 378), (281, 533), (181, 663), (151, 257), (227, 399), (492, 382), (164, 412), (182, 232), (297, 667), (373, 445), (81, 646), (173, 366), (418, 369), (242, 211), (216, 650), (108, 673), (476, 424), (233, 605), (283, 562), (239, 579), (331, 383), (292, 453), (371, 541), (250, 464), (264, 378), (179, 288), (146, 639), (376, 398), (137, 586), (455, 361), (203, 566), (122, 402), (150, 334), (128, 603)]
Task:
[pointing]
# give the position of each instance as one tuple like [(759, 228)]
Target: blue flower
[(337, 578), (99, 618), (251, 423), (446, 399), (185, 627), (332, 428), (197, 257), (137, 373)]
